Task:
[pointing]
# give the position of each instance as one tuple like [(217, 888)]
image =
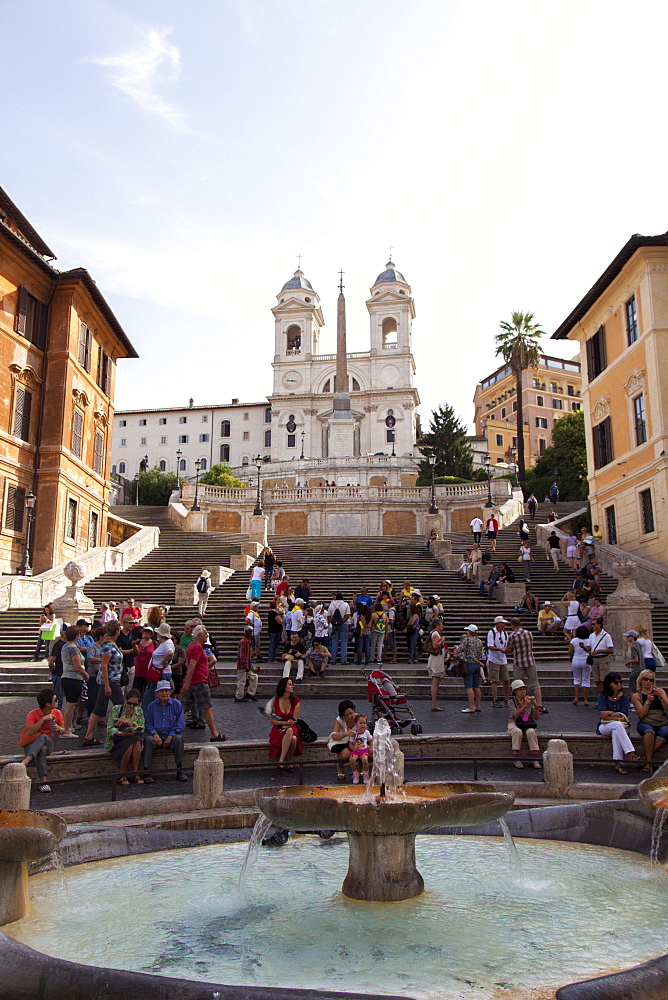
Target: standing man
[(475, 566), (532, 503), (303, 591), (246, 670), (127, 637), (497, 661), (165, 722), (254, 622), (476, 528), (204, 589), (554, 493), (195, 689), (553, 548), (601, 648), (338, 613), (492, 529), (520, 647), (364, 597)]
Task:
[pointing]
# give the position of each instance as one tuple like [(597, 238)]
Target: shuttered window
[(22, 408), (104, 373), (77, 434), (85, 353), (16, 502), (99, 452), (71, 518), (596, 355), (30, 319), (92, 529), (602, 437)]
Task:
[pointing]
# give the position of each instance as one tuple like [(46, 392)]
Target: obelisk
[(342, 421)]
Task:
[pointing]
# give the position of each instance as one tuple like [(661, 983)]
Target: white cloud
[(139, 71)]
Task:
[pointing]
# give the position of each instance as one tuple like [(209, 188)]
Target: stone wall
[(224, 521), (399, 522), (291, 522)]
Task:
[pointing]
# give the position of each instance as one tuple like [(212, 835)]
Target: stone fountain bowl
[(654, 792), (29, 835), (413, 809)]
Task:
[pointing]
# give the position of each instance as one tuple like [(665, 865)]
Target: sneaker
[(365, 777), (251, 697), (239, 700), (181, 776), (356, 778), (44, 788), (544, 711)]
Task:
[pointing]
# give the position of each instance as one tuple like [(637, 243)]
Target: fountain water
[(382, 820)]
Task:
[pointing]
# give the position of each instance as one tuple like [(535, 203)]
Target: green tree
[(155, 487), (568, 454), (219, 475), (447, 440), (518, 345)]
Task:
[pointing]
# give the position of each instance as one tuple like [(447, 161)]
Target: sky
[(186, 153)]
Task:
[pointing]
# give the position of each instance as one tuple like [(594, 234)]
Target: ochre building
[(622, 327), (59, 345)]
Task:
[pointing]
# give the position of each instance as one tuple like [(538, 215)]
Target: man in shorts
[(195, 689), (497, 661), (602, 647)]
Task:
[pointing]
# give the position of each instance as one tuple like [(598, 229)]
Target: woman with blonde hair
[(572, 618), (651, 705)]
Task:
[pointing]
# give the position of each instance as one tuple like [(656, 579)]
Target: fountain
[(25, 835), (382, 819)]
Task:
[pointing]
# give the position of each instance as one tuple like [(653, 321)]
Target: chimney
[(235, 401), (190, 403)]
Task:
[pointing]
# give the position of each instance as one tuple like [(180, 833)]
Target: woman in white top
[(572, 621), (527, 559), (645, 644), (343, 730), (572, 550), (579, 649)]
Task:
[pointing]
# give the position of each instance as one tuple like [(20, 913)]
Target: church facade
[(293, 430)]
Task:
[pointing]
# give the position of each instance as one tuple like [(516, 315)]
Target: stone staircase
[(330, 564)]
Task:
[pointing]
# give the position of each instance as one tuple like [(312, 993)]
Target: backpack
[(202, 585), (337, 618)]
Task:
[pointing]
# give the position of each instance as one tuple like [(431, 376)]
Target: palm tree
[(518, 345)]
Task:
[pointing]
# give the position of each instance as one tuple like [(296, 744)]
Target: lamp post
[(258, 501), (178, 471), (489, 482), (432, 462), (302, 454), (136, 489), (393, 439), (25, 569), (198, 466), (513, 452)]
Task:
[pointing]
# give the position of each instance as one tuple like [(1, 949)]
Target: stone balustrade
[(414, 495)]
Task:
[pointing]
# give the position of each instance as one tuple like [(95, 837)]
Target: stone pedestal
[(209, 776), (252, 549), (74, 598), (14, 787), (382, 868), (627, 608), (219, 574), (257, 530), (558, 767), (510, 593), (434, 522), (185, 595), (341, 437), (241, 562)]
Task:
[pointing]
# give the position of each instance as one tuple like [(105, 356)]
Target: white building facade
[(289, 430)]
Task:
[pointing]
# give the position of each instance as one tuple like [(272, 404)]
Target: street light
[(258, 502), (302, 454), (393, 451), (198, 465), (25, 568), (178, 473), (136, 489), (513, 452), (432, 462), (489, 482)]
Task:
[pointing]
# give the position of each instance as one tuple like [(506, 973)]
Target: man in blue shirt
[(165, 723)]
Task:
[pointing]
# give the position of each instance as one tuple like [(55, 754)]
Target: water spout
[(262, 826), (657, 830), (383, 771)]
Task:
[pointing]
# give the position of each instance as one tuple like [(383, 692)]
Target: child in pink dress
[(360, 744)]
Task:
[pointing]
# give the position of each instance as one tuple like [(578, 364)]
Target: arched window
[(244, 460), (355, 386), (163, 465), (224, 452), (225, 429), (389, 332), (183, 465), (294, 339), (121, 468), (202, 464), (267, 439), (267, 415), (327, 386)]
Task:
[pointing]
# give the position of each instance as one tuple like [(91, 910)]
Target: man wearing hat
[(520, 647), (497, 661), (523, 720), (548, 620), (254, 622), (204, 589), (164, 725)]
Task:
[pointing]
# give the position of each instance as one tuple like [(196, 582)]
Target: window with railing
[(646, 512)]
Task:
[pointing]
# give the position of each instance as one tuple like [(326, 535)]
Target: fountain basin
[(381, 829), (25, 835)]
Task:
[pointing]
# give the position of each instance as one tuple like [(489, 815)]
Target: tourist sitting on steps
[(651, 705), (165, 723), (294, 652), (613, 708), (523, 721), (338, 740), (125, 736), (283, 710), (36, 739)]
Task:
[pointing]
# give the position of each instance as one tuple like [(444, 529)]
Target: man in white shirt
[(297, 617), (601, 646), (476, 528), (254, 622), (338, 613), (497, 662)]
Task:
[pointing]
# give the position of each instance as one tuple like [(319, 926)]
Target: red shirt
[(34, 717), (143, 658), (201, 673), (282, 587)]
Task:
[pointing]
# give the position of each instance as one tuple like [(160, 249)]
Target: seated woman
[(613, 707), (284, 739), (343, 730), (651, 705), (523, 721), (507, 574), (598, 613), (125, 736), (466, 559), (584, 614)]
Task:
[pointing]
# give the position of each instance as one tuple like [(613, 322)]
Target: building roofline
[(543, 354), (82, 275), (35, 241), (636, 242), (191, 409)]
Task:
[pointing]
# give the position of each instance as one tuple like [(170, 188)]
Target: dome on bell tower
[(298, 281), (390, 274)]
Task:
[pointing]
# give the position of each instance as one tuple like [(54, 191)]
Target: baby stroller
[(388, 704)]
